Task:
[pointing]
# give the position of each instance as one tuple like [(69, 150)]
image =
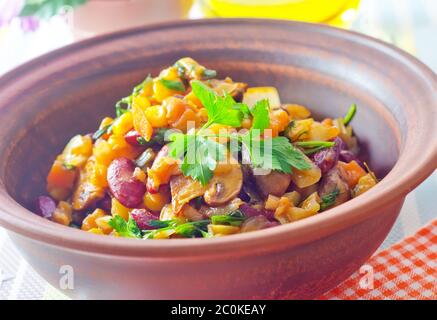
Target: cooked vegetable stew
[(190, 155)]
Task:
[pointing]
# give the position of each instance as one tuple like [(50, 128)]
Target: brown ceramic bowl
[(44, 102)]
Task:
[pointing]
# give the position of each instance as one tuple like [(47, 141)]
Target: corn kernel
[(118, 208), (296, 111), (103, 224), (156, 201), (90, 221), (95, 231), (122, 124), (218, 229), (62, 213), (157, 116)]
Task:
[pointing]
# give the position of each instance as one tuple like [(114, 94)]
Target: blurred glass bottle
[(334, 12)]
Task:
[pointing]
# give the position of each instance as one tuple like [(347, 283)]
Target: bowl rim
[(386, 192)]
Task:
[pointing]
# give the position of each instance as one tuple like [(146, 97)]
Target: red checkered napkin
[(407, 270)]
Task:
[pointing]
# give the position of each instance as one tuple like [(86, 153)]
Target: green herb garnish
[(122, 105), (201, 154), (350, 114), (234, 218), (329, 199), (187, 230), (125, 229), (46, 9), (101, 132), (173, 84)]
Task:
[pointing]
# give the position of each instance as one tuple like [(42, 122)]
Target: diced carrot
[(141, 124), (351, 172), (61, 179)]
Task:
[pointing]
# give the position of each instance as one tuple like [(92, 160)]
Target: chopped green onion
[(314, 144), (173, 85), (208, 74), (329, 199), (102, 131), (350, 114), (234, 218), (146, 157)]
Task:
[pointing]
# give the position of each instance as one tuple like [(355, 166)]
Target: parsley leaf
[(260, 113), (125, 229), (200, 155), (220, 109), (122, 105), (275, 153)]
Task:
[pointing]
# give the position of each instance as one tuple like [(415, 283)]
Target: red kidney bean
[(123, 185), (327, 158), (134, 138), (45, 206), (143, 217)]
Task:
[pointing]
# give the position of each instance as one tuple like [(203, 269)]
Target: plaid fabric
[(407, 270)]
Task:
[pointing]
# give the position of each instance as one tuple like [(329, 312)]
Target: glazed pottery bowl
[(45, 102)]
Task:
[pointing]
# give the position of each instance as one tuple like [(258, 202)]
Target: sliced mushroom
[(183, 189), (224, 185), (274, 183), (235, 89)]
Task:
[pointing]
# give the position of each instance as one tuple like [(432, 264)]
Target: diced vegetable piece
[(322, 132), (191, 213), (293, 196), (157, 116), (254, 94), (143, 217), (140, 121), (163, 168), (305, 178), (299, 129), (221, 230), (312, 203), (118, 209), (296, 111), (351, 172), (275, 183), (103, 224), (122, 124), (123, 185), (279, 120), (364, 184), (90, 221), (77, 151), (63, 213), (95, 231), (253, 211), (156, 201), (60, 180), (88, 191), (45, 206)]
